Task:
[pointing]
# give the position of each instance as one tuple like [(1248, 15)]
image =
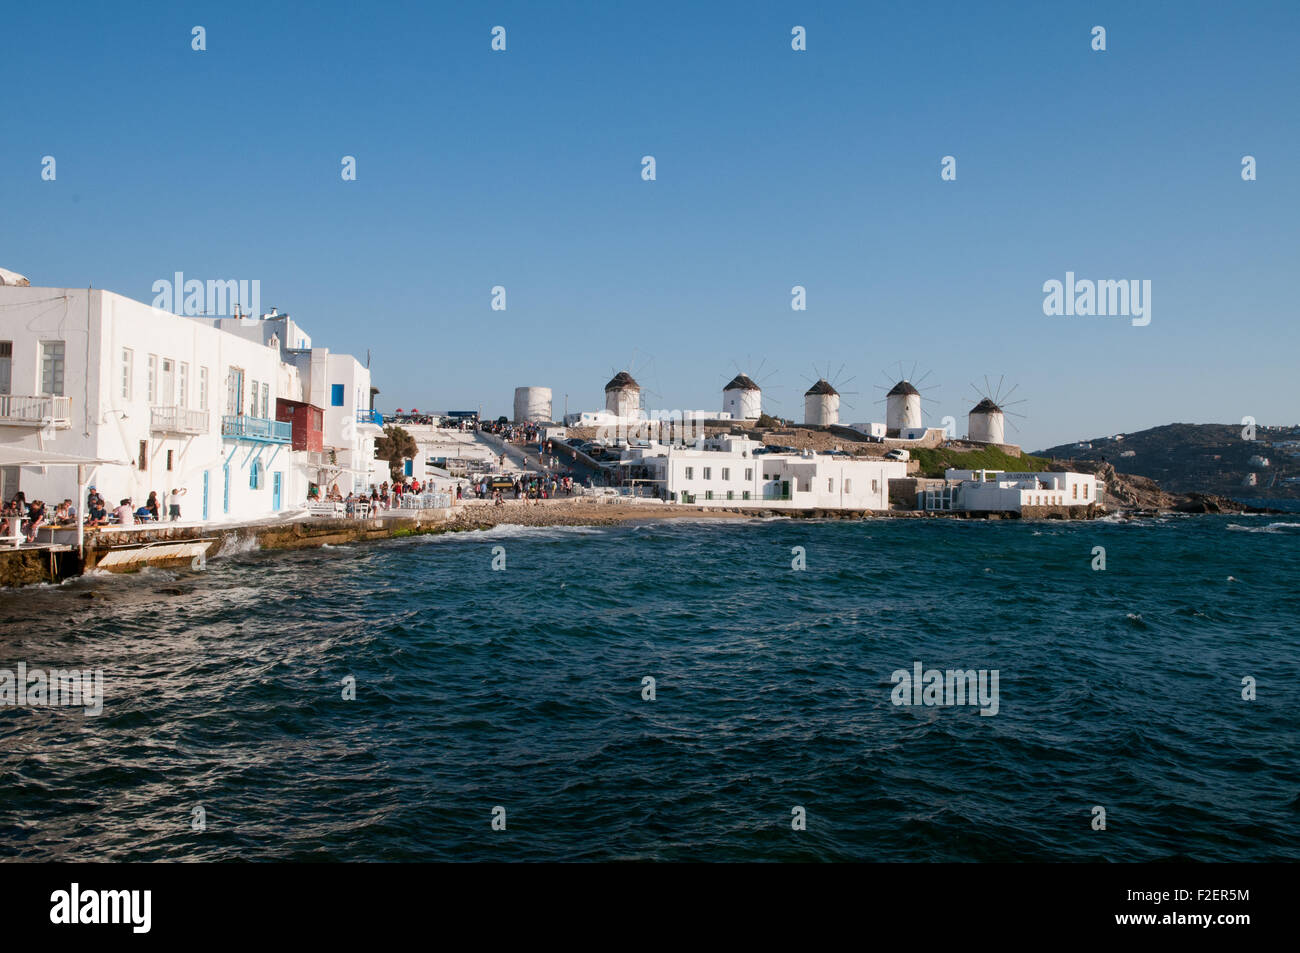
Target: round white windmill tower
[(986, 423), (902, 407), (742, 398), (623, 395), (821, 405), (532, 404)]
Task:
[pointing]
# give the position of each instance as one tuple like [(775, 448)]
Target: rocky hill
[(1206, 459)]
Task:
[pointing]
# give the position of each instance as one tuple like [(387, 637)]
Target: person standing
[(174, 503)]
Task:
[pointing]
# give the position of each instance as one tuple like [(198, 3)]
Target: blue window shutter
[(406, 468), (336, 395)]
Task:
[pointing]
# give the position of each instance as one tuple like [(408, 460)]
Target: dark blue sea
[(522, 689)]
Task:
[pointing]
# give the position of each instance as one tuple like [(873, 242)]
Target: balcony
[(178, 420), (256, 430), (18, 411), (370, 417)]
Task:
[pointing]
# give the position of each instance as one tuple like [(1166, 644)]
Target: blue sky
[(775, 168)]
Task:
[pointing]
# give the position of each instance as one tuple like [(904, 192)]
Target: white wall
[(110, 422)]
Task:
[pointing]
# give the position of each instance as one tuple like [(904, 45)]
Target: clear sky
[(775, 168)]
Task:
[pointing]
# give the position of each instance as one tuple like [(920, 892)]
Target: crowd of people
[(21, 518), (527, 487), (382, 497)]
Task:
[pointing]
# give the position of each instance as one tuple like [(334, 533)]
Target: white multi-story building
[(999, 491), (727, 470), (177, 402)]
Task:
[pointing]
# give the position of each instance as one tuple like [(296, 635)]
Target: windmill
[(903, 399), (742, 396), (986, 422), (821, 402)]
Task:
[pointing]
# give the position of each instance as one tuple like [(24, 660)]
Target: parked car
[(898, 454)]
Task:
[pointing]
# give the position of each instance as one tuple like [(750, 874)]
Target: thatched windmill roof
[(903, 389), (622, 381), (821, 387), (742, 382), (986, 406)]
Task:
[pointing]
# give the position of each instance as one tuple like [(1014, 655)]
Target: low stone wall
[(298, 534), (27, 567)]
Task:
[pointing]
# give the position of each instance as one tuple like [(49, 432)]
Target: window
[(6, 368), (144, 455), (726, 474), (252, 407), (203, 388), (151, 390), (128, 371), (225, 490), (708, 473), (731, 494), (848, 486), (183, 393), (336, 395), (830, 486), (749, 474), (266, 400), (1085, 491), (690, 473), (744, 495), (708, 494), (255, 475), (235, 392), (875, 486), (169, 460), (52, 368), (167, 383)]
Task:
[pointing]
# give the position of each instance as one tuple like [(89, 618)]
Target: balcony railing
[(257, 429), (22, 411), (370, 417), (178, 420)]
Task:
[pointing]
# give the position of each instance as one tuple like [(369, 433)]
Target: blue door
[(205, 494), (275, 491), (225, 496), (407, 468)]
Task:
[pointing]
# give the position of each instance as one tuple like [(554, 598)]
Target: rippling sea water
[(522, 688)]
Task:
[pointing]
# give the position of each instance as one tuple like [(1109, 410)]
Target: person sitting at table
[(152, 506), (60, 517), (96, 509), (35, 519), (125, 515), (9, 520)]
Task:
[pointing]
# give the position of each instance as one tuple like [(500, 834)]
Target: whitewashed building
[(726, 470), (999, 491), (178, 402)]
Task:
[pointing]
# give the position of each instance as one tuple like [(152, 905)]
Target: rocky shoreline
[(1142, 495)]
